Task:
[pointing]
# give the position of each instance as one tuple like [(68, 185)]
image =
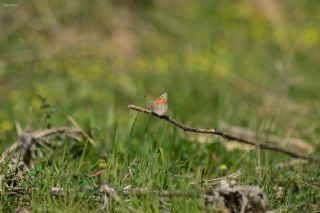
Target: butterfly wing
[(160, 105)]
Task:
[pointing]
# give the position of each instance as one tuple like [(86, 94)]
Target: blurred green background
[(243, 62), (253, 64)]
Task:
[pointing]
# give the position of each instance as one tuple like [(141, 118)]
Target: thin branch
[(24, 150), (234, 175), (54, 131), (224, 135), (71, 119), (258, 166)]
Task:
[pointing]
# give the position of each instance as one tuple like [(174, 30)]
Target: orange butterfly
[(160, 105)]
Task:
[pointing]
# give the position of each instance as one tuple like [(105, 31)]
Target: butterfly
[(160, 105)]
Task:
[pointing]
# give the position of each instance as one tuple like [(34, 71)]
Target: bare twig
[(215, 181), (258, 166), (308, 184), (20, 155), (291, 163), (224, 135), (297, 144), (71, 119), (53, 131)]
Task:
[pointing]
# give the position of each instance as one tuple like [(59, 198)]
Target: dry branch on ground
[(32, 144)]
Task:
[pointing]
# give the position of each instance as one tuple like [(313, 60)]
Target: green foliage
[(242, 63)]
